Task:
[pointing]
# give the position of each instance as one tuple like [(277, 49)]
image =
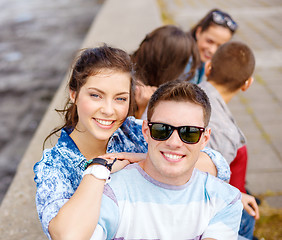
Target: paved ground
[(259, 110)]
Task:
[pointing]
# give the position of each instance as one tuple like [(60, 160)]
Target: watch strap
[(110, 165), (100, 161)]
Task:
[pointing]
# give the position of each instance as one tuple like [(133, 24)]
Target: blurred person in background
[(213, 30), (229, 72), (161, 57)]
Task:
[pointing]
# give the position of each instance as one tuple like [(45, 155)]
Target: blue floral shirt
[(59, 172)]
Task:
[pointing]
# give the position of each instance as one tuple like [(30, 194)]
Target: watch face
[(100, 172)]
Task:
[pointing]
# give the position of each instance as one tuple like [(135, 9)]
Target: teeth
[(104, 122), (172, 156)]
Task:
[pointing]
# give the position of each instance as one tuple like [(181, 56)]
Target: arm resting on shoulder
[(123, 159), (205, 164), (214, 163)]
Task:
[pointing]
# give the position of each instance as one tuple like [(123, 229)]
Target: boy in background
[(229, 72)]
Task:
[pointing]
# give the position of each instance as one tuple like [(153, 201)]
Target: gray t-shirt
[(226, 136)]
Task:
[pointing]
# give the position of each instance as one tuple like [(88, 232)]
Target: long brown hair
[(89, 63), (163, 55)]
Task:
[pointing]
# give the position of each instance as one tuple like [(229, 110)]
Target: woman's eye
[(94, 95), (210, 41), (121, 99)]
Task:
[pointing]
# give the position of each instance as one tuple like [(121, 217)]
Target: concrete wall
[(120, 23)]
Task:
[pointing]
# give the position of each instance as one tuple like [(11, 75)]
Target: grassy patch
[(269, 226)]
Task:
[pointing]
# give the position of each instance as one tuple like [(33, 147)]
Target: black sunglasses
[(224, 19), (188, 134)]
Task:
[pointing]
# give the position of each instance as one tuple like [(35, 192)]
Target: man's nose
[(174, 140)]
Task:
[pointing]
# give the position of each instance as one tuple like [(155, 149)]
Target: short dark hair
[(180, 90), (232, 65)]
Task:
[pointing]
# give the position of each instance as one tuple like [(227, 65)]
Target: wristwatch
[(98, 171)]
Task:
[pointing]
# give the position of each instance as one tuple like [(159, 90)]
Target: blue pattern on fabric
[(59, 172)]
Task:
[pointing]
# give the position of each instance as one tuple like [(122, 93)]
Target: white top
[(135, 206)]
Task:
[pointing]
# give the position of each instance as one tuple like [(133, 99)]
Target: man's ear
[(72, 95), (198, 32), (208, 68), (145, 130), (247, 84), (206, 137)]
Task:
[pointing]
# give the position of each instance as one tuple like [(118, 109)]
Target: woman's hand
[(250, 205), (143, 94), (123, 159)]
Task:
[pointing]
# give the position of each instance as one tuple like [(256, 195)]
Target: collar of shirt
[(127, 138), (67, 148)]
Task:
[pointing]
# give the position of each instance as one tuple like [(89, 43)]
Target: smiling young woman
[(101, 109), (96, 122)]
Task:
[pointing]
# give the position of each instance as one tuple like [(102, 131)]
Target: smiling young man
[(165, 197)]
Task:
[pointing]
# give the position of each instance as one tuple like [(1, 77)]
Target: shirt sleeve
[(99, 233), (223, 169), (225, 224), (53, 190), (223, 142), (226, 137)]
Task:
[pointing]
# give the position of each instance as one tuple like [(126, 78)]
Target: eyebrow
[(98, 90)]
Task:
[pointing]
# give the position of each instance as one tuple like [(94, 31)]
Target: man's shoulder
[(218, 189), (127, 172), (123, 183)]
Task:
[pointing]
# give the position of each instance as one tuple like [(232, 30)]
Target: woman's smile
[(107, 124)]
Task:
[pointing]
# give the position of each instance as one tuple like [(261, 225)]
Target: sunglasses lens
[(190, 134), (232, 25), (160, 131), (218, 18), (223, 19)]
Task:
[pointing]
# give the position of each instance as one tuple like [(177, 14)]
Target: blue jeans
[(247, 226)]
